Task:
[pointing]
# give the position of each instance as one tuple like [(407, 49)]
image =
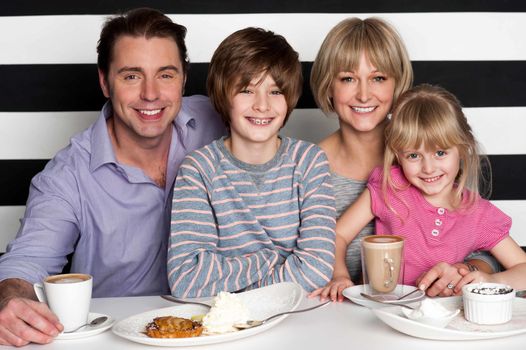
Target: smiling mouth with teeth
[(432, 179), (150, 112), (363, 109), (258, 121)]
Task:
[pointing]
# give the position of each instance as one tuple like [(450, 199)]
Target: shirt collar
[(101, 147), (184, 120)]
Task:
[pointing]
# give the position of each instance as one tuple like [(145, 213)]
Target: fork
[(181, 301), (255, 323)]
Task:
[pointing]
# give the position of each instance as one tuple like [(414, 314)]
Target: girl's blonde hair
[(431, 116), (341, 51)]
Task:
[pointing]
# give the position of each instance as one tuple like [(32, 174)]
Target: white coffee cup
[(68, 296)]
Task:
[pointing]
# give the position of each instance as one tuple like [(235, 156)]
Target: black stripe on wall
[(75, 87), (508, 178), (15, 180), (66, 7)]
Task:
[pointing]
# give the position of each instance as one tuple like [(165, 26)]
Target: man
[(107, 196)]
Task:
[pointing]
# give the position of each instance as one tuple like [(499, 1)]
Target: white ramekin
[(487, 309)]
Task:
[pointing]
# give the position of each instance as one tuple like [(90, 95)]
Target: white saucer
[(88, 331), (353, 294)]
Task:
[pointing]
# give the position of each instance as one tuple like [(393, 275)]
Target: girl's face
[(257, 112), (362, 98), (433, 172)]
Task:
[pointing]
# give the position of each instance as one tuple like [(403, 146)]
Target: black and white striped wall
[(50, 91)]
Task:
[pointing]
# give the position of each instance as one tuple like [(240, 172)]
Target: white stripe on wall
[(429, 36), (10, 216), (40, 135), (493, 127)]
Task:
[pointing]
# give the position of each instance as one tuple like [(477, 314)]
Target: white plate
[(261, 303), (353, 294), (459, 328), (88, 331)]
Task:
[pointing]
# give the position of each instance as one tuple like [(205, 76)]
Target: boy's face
[(257, 112)]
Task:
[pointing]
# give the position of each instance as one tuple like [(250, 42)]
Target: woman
[(359, 72)]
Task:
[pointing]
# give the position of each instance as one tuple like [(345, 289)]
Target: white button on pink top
[(435, 232), (441, 211), (438, 222)]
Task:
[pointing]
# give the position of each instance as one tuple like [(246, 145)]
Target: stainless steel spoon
[(181, 301), (370, 297), (94, 322), (408, 294), (255, 323)]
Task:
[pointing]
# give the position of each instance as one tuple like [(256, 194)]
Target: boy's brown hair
[(248, 54)]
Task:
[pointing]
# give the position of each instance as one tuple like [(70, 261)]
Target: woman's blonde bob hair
[(432, 117), (341, 51)]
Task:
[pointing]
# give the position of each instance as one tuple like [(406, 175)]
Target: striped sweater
[(228, 233)]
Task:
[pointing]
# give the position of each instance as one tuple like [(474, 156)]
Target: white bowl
[(441, 321), (487, 308)]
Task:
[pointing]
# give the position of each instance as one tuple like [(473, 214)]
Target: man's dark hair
[(141, 22)]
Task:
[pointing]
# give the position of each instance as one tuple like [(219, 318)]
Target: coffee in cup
[(68, 296), (68, 278), (382, 262)]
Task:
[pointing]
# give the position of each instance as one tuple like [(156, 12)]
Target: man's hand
[(23, 320)]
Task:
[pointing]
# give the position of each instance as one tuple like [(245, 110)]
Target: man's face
[(145, 84)]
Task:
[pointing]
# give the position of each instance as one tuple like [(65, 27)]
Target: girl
[(253, 208), (427, 192)]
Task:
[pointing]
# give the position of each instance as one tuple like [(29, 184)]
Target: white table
[(336, 326)]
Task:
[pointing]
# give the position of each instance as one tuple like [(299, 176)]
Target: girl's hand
[(333, 290)]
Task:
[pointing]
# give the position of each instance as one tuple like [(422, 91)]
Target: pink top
[(433, 235)]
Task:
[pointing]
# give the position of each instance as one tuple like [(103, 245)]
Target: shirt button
[(438, 222), (441, 211), (435, 232)]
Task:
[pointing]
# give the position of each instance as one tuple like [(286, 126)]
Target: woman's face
[(362, 98)]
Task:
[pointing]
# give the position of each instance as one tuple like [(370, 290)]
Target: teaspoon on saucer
[(408, 294), (370, 297), (94, 322)]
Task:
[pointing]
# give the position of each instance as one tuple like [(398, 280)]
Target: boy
[(252, 208)]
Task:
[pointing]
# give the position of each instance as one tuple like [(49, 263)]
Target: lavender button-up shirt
[(113, 217)]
